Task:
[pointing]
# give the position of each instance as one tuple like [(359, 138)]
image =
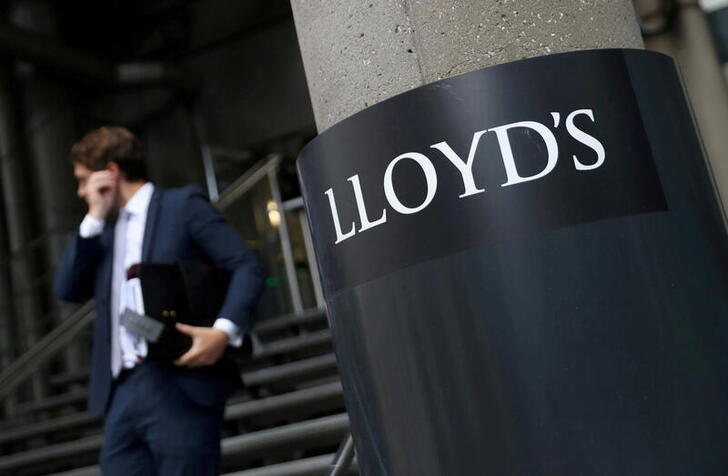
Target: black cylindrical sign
[(526, 271)]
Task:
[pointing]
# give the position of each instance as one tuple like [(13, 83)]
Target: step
[(313, 466), (292, 400), (55, 452), (237, 411), (332, 427), (294, 344), (290, 371), (275, 348), (280, 323), (75, 397), (297, 369), (85, 471), (68, 422), (321, 395)]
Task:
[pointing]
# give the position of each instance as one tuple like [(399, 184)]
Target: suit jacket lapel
[(150, 227)]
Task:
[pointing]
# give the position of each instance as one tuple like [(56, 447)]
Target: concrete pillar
[(358, 53), (690, 42)]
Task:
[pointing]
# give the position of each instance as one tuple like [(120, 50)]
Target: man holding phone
[(160, 418)]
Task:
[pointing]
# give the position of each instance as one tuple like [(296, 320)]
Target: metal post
[(343, 458), (286, 243), (208, 163), (312, 265)]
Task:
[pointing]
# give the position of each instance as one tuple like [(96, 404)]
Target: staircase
[(288, 420)]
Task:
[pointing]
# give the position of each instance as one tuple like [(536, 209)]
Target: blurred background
[(217, 92)]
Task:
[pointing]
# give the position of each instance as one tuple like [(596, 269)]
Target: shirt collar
[(139, 202)]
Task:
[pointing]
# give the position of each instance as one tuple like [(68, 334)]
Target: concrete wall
[(254, 88)]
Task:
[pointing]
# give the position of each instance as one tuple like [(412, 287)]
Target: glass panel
[(300, 259), (250, 216)]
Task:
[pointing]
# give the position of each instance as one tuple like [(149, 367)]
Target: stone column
[(691, 43), (567, 353), (358, 53)]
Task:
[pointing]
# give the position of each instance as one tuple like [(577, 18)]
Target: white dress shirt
[(127, 348)]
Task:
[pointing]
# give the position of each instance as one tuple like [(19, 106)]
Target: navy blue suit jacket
[(181, 225)]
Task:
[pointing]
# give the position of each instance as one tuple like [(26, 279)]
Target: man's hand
[(101, 193), (208, 345)]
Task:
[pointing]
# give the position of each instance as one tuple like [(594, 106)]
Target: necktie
[(118, 276)]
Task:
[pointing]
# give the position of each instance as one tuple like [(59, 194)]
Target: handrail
[(343, 458), (56, 340), (33, 244), (246, 181)]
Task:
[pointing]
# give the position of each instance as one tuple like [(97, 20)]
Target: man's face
[(82, 174), (91, 183)]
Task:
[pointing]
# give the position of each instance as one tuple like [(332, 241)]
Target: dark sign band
[(486, 157)]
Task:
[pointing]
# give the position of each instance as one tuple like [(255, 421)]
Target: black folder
[(189, 292)]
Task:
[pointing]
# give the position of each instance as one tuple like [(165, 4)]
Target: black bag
[(189, 292)]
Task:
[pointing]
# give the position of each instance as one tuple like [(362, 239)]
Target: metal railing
[(25, 366), (33, 245), (45, 349), (343, 458)]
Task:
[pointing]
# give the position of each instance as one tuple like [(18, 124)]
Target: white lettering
[(507, 153), (465, 168), (585, 139), (335, 215), (365, 223), (430, 177)]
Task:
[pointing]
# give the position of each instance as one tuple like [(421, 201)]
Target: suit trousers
[(153, 428)]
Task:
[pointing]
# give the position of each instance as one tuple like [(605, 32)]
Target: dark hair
[(111, 144)]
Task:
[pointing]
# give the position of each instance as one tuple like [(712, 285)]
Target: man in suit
[(160, 418)]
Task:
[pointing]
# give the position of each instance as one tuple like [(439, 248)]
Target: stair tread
[(279, 323), (46, 426), (281, 346), (51, 452), (281, 435), (263, 327), (292, 344), (278, 402), (290, 369), (73, 397), (242, 444), (85, 471), (311, 466), (251, 378), (315, 465), (234, 411)]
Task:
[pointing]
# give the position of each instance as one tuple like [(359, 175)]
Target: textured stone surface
[(357, 53)]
